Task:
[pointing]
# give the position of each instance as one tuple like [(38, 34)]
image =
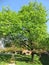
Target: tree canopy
[(34, 20), (27, 27)]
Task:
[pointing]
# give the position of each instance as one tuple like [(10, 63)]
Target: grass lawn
[(20, 60), (20, 63)]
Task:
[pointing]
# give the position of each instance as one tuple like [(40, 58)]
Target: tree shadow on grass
[(4, 57), (23, 58), (18, 57)]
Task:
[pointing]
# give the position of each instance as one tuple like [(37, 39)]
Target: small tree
[(10, 24)]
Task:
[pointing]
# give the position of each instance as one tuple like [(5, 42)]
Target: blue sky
[(15, 5)]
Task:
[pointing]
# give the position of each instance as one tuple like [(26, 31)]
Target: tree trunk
[(32, 56)]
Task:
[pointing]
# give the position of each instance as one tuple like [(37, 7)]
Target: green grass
[(3, 63), (20, 63), (24, 60)]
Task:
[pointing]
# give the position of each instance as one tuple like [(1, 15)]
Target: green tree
[(34, 28), (26, 28), (10, 24)]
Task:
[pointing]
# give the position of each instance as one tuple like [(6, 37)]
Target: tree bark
[(32, 56)]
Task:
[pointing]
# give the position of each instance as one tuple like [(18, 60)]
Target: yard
[(23, 60)]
